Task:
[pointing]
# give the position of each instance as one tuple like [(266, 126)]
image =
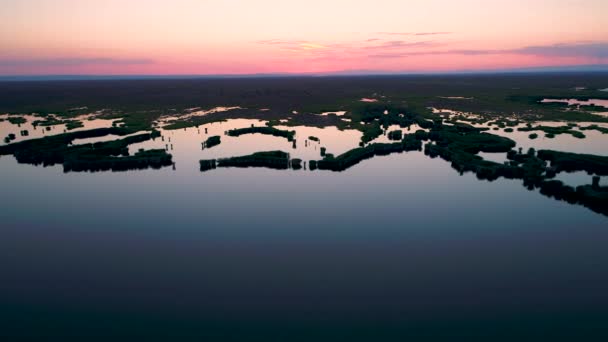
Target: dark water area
[(397, 246), (393, 248)]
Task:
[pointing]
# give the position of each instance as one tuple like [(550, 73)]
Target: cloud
[(598, 50), (63, 62), (588, 50), (431, 33)]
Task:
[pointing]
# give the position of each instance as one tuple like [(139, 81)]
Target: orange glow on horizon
[(271, 36)]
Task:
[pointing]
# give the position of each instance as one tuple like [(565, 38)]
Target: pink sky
[(268, 36)]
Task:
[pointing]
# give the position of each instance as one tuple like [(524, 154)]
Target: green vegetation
[(354, 156), (212, 141), (553, 131), (16, 120), (603, 130), (370, 132), (502, 101), (73, 124), (289, 135), (395, 135), (469, 140), (570, 162), (110, 155)]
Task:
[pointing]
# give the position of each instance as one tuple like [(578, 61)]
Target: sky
[(162, 37)]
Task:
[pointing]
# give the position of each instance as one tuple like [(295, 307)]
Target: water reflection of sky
[(392, 239)]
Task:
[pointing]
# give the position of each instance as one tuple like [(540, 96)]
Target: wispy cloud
[(589, 50), (63, 62), (431, 33), (599, 50)]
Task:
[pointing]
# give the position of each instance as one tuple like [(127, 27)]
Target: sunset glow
[(272, 36)]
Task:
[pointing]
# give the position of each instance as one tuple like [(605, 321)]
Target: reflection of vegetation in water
[(206, 165), (354, 156), (296, 163), (272, 159), (500, 101), (212, 141), (110, 155), (571, 162), (289, 135)]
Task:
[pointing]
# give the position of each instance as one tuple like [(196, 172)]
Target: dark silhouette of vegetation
[(533, 136), (313, 138), (354, 156), (603, 130), (553, 131), (570, 162), (421, 135), (73, 124), (395, 135), (10, 137), (296, 164), (212, 141), (209, 164), (16, 120), (57, 149), (273, 159), (404, 100), (93, 161), (289, 135), (370, 132)]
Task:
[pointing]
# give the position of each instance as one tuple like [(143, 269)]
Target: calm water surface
[(396, 246)]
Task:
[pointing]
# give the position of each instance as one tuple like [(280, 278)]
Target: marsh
[(376, 239)]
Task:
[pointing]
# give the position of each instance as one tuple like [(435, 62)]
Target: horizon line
[(600, 68)]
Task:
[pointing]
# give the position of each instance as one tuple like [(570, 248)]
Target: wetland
[(347, 204)]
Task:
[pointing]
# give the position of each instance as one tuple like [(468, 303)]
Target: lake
[(398, 245)]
